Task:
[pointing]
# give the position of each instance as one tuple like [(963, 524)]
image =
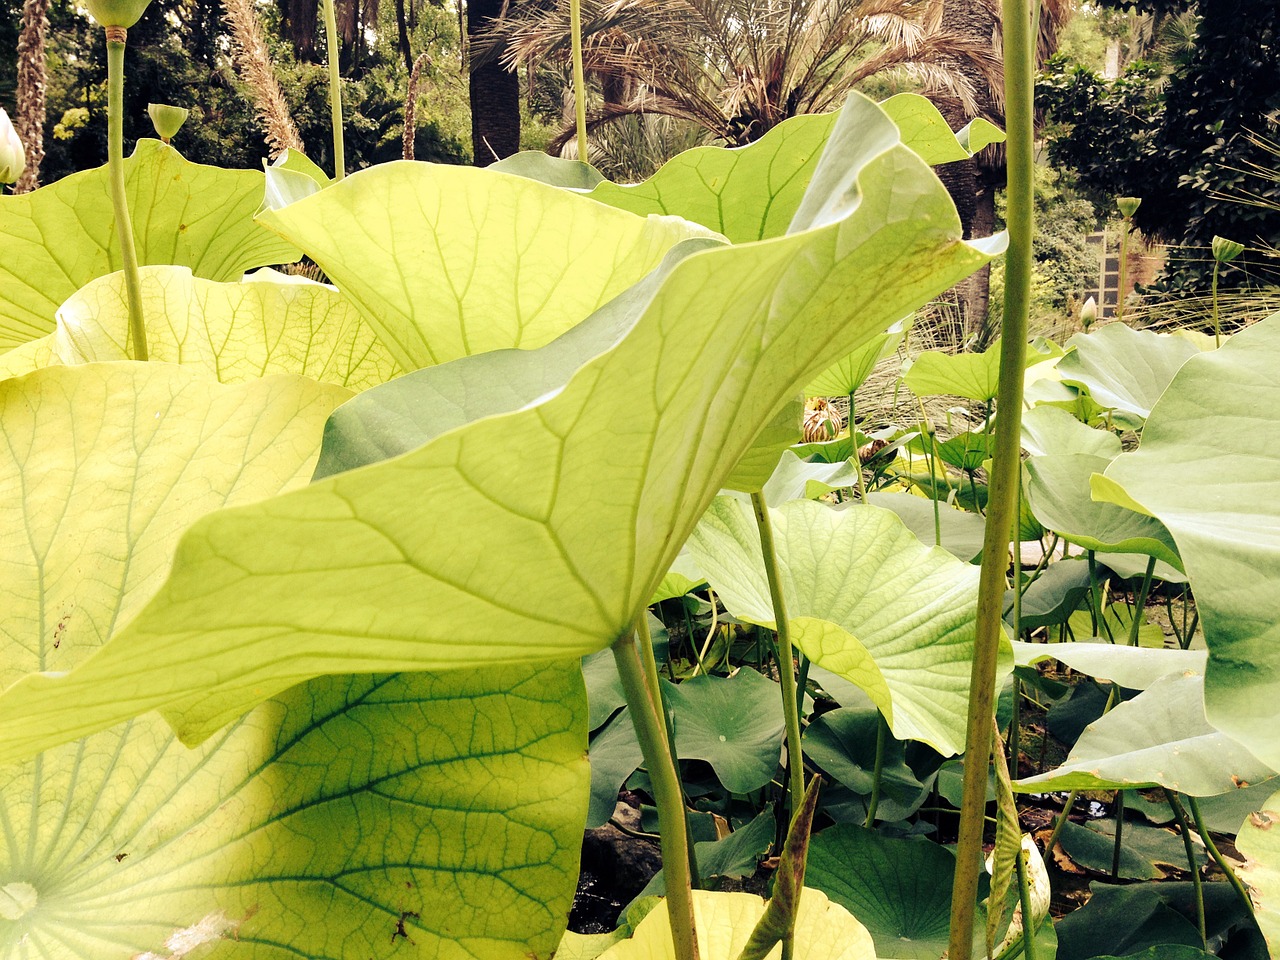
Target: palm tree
[(737, 68), (973, 183)]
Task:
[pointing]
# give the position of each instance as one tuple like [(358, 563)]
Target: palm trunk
[(971, 186), (29, 114), (495, 94)]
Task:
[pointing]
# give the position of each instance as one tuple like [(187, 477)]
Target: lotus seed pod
[(1224, 250), (167, 119), (117, 13), (13, 158), (1128, 206), (1088, 313)]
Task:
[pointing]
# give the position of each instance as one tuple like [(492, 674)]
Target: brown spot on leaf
[(1264, 819), (1240, 784), (120, 856), (400, 931)]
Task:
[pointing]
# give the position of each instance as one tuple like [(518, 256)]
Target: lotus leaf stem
[(1002, 502), (1115, 847), (579, 81), (335, 90), (646, 715), (119, 199), (786, 665), (877, 773), (1232, 877), (1140, 602), (1172, 799)]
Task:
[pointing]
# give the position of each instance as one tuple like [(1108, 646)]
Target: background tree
[(1187, 135), (495, 87), (737, 68)]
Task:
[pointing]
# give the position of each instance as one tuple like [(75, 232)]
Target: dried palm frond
[(254, 62)]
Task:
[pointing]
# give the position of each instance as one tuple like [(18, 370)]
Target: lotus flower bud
[(117, 13), (13, 158), (167, 119), (1088, 313), (1128, 206), (1224, 250)]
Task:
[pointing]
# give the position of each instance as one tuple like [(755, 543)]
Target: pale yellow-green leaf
[(824, 930), (266, 324), (447, 261)]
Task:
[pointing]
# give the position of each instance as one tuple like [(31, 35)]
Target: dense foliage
[(1187, 144)]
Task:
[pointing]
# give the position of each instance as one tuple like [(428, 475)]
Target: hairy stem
[(1002, 503), (1024, 897), (786, 665), (335, 90), (119, 201), (646, 715)]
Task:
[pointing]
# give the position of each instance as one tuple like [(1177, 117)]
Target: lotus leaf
[(616, 467), (1209, 469), (60, 237)]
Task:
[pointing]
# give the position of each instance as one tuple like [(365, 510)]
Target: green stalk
[(1115, 847), (786, 668), (1062, 820), (335, 90), (651, 732), (1124, 267), (1141, 602), (1217, 331), (877, 773), (579, 81), (1212, 847), (853, 441), (1002, 503), (1172, 799), (650, 664), (119, 201)]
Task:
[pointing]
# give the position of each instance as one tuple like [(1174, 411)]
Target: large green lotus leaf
[(57, 239), (320, 822), (268, 323), (871, 603), (28, 357), (419, 248), (848, 373), (1209, 469), (843, 743), (557, 171), (1159, 738), (1134, 667), (1259, 841), (975, 376), (1125, 369), (796, 479), (1051, 598), (348, 815), (751, 192), (724, 922), (734, 723), (555, 558), (961, 531), (615, 754), (1146, 852), (1149, 921), (745, 193), (901, 889), (1059, 495), (1050, 430)]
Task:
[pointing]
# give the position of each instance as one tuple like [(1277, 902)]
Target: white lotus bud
[(13, 158)]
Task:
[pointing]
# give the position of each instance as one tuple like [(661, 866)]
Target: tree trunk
[(402, 31), (29, 113), (495, 94), (972, 187)]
